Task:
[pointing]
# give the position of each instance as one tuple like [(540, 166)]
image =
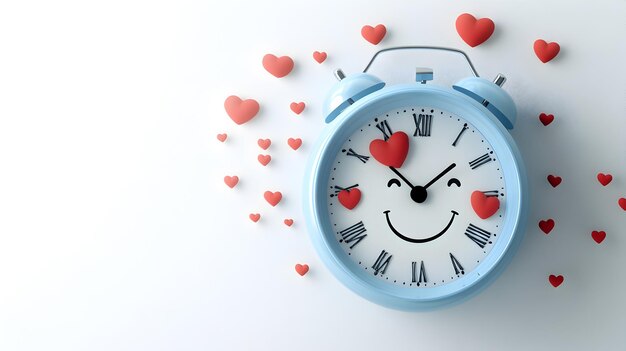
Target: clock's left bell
[(347, 91)]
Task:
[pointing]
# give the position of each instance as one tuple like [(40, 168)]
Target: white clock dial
[(416, 225)]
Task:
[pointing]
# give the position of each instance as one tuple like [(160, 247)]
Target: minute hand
[(440, 175)]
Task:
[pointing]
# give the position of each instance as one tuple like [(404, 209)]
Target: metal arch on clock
[(418, 241)]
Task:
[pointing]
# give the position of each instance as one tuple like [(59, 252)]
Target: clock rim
[(323, 236)]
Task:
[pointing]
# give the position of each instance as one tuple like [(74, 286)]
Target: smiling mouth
[(425, 240)]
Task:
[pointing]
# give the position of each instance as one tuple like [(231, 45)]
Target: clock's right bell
[(492, 96)]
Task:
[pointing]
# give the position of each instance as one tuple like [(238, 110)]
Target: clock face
[(416, 197)]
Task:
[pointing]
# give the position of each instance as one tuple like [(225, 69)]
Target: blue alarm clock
[(415, 195)]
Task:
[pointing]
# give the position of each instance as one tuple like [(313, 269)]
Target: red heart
[(484, 206), (547, 225), (555, 280), (349, 198), (222, 137), (392, 152), (374, 34), (546, 119), (264, 159), (302, 269), (319, 56), (264, 143), (278, 66), (255, 217), (273, 198), (231, 181), (297, 107), (604, 179), (241, 111), (546, 51), (554, 180), (288, 222), (294, 143), (598, 236), (622, 203), (474, 32)]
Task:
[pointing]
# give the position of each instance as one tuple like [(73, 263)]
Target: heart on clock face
[(474, 32), (349, 198), (277, 66), (484, 206), (391, 152), (241, 111)]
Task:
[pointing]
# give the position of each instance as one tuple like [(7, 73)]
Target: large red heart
[(622, 203), (297, 107), (374, 34), (349, 198), (474, 32), (231, 181), (598, 236), (604, 179), (546, 51), (547, 225), (484, 206), (555, 280), (241, 111), (546, 119), (319, 56), (392, 152), (302, 269), (294, 143), (273, 198), (277, 66), (554, 180)]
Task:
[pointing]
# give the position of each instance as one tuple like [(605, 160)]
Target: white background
[(118, 233)]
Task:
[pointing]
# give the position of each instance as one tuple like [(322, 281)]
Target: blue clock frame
[(485, 119)]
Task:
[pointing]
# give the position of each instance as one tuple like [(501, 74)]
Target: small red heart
[(241, 111), (555, 280), (349, 198), (302, 269), (264, 159), (598, 236), (546, 119), (222, 137), (297, 107), (392, 152), (374, 34), (474, 32), (277, 66), (231, 181), (273, 198), (264, 143), (547, 225), (604, 179), (254, 217), (319, 56), (554, 180), (484, 206), (622, 203), (294, 143), (546, 51), (288, 222)]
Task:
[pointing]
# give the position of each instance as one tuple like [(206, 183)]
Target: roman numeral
[(338, 189), (381, 262), (353, 234), (458, 269), (481, 160), (478, 235), (460, 133), (491, 193), (422, 274), (384, 127), (353, 153), (422, 124)]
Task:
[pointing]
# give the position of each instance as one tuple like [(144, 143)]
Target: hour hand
[(401, 176)]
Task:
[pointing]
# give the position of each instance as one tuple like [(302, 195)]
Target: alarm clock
[(415, 195)]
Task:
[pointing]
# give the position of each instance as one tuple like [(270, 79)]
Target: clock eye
[(454, 181), (393, 181)]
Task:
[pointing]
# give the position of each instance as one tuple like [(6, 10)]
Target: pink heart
[(319, 56), (241, 111), (273, 198), (297, 107), (264, 143), (277, 66), (288, 222), (374, 34), (231, 181), (254, 217), (222, 137), (546, 51), (302, 269), (264, 159), (294, 143)]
